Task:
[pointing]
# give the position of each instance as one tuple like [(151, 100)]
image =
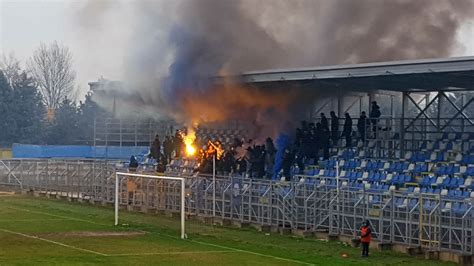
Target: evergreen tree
[(5, 121), (27, 111), (64, 129), (88, 112)]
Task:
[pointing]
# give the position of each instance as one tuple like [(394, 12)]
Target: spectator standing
[(155, 149), (334, 128), (365, 238), (270, 153), (347, 131), (318, 136), (168, 148), (374, 117), (324, 122), (325, 136), (362, 125), (286, 164), (178, 143)]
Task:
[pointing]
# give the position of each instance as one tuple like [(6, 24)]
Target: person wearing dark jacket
[(270, 152), (365, 237), (168, 148), (334, 128), (324, 122), (374, 117), (133, 165), (323, 139), (286, 164), (178, 143), (362, 125), (347, 131), (155, 149)]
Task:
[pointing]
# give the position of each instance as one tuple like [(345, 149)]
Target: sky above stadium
[(26, 23)]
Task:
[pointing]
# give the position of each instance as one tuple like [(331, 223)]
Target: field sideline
[(37, 231)]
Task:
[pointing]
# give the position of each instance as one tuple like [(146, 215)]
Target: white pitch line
[(172, 253), (31, 220), (53, 242), (195, 241), (59, 216), (253, 253)]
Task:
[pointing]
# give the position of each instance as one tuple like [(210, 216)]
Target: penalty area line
[(172, 253), (32, 220), (195, 241), (60, 216), (53, 242), (252, 252)]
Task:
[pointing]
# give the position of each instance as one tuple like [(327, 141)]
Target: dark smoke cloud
[(177, 47)]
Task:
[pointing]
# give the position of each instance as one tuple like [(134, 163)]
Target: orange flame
[(218, 149), (188, 140)]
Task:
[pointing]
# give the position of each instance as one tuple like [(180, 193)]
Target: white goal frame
[(182, 180)]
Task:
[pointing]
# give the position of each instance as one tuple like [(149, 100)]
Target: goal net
[(151, 194)]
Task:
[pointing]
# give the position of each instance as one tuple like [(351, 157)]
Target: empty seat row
[(400, 179), (448, 170)]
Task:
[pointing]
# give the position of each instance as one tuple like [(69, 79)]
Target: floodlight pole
[(214, 185), (116, 197)]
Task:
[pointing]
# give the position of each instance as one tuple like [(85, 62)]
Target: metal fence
[(419, 220)]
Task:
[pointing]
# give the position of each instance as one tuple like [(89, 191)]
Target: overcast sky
[(26, 23)]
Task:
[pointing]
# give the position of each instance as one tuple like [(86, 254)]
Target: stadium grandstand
[(411, 174)]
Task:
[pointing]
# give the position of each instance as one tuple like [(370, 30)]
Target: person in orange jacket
[(365, 237)]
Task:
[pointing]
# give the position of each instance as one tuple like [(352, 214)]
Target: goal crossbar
[(182, 181)]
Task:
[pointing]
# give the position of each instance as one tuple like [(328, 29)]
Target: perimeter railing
[(425, 220)]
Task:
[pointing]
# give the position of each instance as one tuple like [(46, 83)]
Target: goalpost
[(118, 176)]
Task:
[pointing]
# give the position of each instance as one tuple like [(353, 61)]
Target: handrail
[(12, 174)]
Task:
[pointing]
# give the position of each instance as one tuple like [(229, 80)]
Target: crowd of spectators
[(312, 141)]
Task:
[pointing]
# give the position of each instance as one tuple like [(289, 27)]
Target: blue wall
[(76, 151)]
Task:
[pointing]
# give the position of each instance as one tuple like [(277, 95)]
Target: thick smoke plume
[(176, 48)]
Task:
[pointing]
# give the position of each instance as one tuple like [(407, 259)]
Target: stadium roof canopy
[(450, 74)]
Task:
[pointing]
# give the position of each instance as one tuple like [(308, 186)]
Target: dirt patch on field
[(6, 193), (93, 234)]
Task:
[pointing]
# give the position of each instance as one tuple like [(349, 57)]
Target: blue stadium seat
[(310, 172), (429, 205), (356, 186), (445, 182), (420, 168), (409, 190), (427, 181), (469, 171), (376, 199), (456, 182), (468, 159), (441, 170), (395, 180), (407, 179), (412, 203), (460, 208), (399, 202)]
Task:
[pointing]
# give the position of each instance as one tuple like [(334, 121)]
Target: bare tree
[(51, 68), (10, 66)]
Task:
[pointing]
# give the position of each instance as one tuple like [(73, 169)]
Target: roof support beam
[(459, 111), (422, 111)]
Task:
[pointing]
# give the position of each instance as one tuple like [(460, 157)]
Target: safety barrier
[(417, 220), (76, 151)]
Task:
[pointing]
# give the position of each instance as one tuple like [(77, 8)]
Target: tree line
[(37, 104)]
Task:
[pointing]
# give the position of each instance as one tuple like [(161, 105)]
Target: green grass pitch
[(37, 231)]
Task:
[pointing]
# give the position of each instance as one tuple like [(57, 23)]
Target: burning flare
[(188, 140)]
